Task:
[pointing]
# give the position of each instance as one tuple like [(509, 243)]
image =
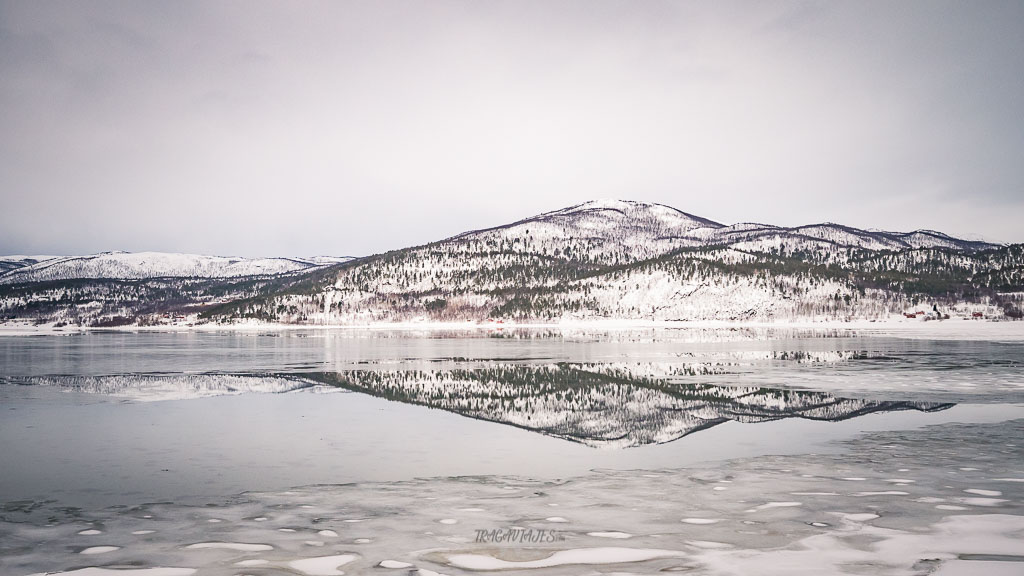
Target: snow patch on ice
[(863, 517), (982, 501), (616, 535), (99, 549), (239, 546), (894, 552), (883, 493), (981, 492), (769, 505), (708, 545), (974, 567), (322, 565)]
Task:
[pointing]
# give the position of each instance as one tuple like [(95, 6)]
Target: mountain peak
[(606, 204), (667, 215), (611, 231)]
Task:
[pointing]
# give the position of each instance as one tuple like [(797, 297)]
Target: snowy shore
[(895, 326)]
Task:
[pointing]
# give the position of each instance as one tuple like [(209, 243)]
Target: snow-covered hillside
[(139, 265), (621, 259), (829, 236), (603, 230), (15, 261), (606, 259)]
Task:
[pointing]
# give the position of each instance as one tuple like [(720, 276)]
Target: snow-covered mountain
[(139, 265), (15, 261), (604, 230), (623, 259), (828, 237), (143, 288), (642, 229), (603, 259)]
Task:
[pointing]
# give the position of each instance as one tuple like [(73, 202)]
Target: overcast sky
[(303, 128)]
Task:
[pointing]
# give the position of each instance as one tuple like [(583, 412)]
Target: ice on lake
[(635, 452), (844, 531)]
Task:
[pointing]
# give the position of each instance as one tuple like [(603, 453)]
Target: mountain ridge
[(139, 265), (614, 259), (600, 259)]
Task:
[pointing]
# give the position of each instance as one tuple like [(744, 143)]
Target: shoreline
[(956, 328)]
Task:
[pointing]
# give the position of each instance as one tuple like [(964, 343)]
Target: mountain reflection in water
[(599, 405)]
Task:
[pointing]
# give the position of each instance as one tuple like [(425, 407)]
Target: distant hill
[(607, 259), (632, 260), (121, 288), (138, 265)]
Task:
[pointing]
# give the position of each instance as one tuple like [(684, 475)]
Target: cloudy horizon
[(352, 128)]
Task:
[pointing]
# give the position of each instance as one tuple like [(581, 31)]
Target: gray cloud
[(269, 128)]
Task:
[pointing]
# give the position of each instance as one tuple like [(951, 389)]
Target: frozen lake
[(576, 452)]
